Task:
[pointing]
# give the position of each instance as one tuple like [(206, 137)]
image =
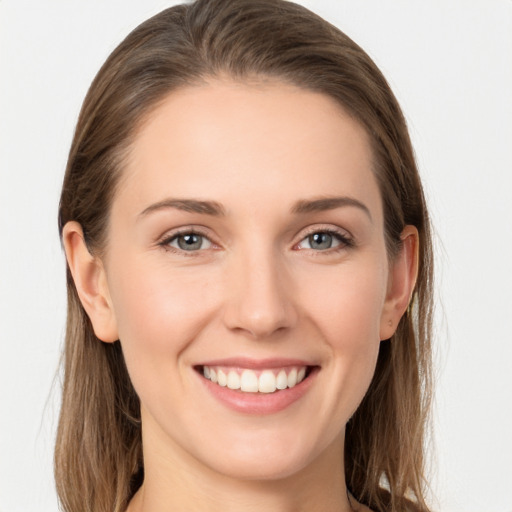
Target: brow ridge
[(216, 209), (187, 205), (328, 203)]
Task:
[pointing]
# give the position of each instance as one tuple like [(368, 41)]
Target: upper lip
[(256, 364)]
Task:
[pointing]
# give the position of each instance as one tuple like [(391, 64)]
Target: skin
[(256, 288)]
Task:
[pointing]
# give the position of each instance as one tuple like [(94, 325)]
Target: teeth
[(222, 378), (267, 382), (248, 381), (282, 380), (233, 380), (292, 378)]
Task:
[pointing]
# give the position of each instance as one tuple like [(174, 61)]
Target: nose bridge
[(258, 293)]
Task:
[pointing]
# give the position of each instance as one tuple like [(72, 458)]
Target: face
[(247, 276)]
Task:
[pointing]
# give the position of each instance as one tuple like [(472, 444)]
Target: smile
[(259, 387), (255, 381)]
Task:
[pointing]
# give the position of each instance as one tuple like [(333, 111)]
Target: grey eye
[(321, 241), (190, 242)]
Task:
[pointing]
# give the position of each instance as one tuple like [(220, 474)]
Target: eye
[(323, 240), (189, 242)]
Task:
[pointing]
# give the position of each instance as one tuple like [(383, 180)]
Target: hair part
[(98, 457)]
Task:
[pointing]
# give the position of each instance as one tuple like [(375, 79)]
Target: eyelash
[(345, 241), (165, 242)]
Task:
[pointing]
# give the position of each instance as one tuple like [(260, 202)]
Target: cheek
[(346, 304), (346, 312), (158, 312)]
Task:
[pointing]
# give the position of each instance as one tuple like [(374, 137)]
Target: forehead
[(258, 141)]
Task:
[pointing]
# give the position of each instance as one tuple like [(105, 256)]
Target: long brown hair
[(98, 456)]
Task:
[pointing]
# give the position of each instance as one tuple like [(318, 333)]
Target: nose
[(259, 295)]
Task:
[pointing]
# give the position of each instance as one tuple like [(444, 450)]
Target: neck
[(174, 480)]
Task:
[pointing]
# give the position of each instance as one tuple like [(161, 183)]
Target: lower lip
[(259, 403)]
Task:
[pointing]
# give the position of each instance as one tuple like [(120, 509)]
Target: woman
[(249, 274)]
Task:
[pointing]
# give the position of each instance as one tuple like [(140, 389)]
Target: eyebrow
[(216, 209), (187, 205), (329, 203)]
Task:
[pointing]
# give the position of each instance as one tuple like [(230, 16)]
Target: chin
[(275, 456), (260, 470)]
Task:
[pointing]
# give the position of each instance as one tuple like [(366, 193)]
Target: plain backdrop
[(450, 65)]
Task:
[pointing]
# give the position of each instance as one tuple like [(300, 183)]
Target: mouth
[(257, 386), (248, 380)]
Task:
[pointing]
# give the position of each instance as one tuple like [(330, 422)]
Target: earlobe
[(402, 279), (91, 282)]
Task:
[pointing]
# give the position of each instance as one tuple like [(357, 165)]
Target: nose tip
[(259, 301), (261, 322)]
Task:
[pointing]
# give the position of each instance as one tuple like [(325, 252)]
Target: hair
[(98, 456)]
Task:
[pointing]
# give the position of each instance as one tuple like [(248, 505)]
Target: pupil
[(189, 242), (320, 241)]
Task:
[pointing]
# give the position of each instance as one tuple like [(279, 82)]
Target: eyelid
[(170, 235), (342, 235), (174, 242)]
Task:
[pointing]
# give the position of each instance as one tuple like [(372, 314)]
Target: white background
[(450, 64)]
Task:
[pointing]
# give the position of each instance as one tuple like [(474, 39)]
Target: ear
[(402, 278), (91, 283)]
